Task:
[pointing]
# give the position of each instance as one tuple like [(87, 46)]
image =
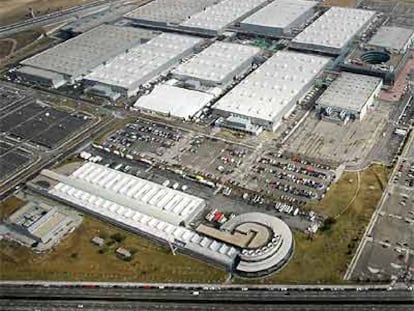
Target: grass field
[(321, 259), (14, 43), (324, 258), (12, 11), (76, 258), (8, 206)]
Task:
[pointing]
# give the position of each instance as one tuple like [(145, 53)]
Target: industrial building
[(161, 13), (41, 77), (394, 39), (265, 242), (147, 208), (128, 71), (279, 18), (132, 193), (348, 97), (333, 31), (271, 91), (219, 64), (214, 19), (173, 101), (78, 56), (40, 226)]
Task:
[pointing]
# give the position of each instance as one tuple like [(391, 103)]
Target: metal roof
[(218, 62), (349, 91), (280, 14), (270, 88), (217, 17), (169, 11), (132, 192), (77, 56), (141, 63), (141, 205), (335, 28), (178, 102), (46, 74), (392, 37)]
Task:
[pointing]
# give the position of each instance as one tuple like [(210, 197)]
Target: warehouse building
[(41, 77), (333, 31), (394, 39), (166, 13), (219, 64), (271, 91), (348, 97), (41, 226), (131, 192), (125, 73), (78, 56), (141, 206), (173, 101), (214, 19), (279, 18)]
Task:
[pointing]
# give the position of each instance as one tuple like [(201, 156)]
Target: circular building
[(265, 241)]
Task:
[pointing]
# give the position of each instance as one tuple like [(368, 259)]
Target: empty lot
[(12, 11)]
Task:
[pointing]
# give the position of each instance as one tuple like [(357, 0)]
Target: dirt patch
[(9, 206), (76, 258), (12, 11), (6, 47)]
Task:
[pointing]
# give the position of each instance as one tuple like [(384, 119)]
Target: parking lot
[(389, 249), (210, 156), (407, 116), (143, 137), (213, 157), (8, 98), (217, 198), (41, 124), (12, 159), (291, 180), (338, 143)]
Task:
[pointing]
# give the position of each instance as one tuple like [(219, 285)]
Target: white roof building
[(271, 91), (279, 17), (134, 193), (351, 93), (141, 206), (215, 18), (77, 56), (395, 39), (166, 12), (175, 101), (137, 66), (332, 31), (217, 64)]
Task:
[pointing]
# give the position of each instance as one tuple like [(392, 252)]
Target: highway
[(55, 17), (62, 305), (194, 297)]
